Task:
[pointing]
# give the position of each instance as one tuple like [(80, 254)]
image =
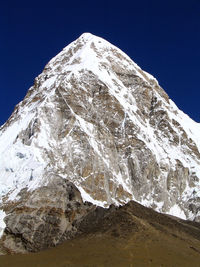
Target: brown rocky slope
[(131, 235)]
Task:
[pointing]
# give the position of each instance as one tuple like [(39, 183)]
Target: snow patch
[(86, 197), (176, 211), (2, 223)]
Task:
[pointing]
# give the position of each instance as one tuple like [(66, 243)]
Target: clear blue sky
[(162, 37)]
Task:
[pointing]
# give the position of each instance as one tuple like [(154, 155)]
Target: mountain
[(93, 130)]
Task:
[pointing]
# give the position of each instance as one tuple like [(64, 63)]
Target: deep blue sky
[(162, 37)]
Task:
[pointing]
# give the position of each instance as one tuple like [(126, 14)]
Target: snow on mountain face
[(2, 223), (95, 119)]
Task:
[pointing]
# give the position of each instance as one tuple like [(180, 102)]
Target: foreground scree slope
[(94, 128), (129, 235)]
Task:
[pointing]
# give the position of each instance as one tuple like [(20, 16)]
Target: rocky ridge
[(96, 127)]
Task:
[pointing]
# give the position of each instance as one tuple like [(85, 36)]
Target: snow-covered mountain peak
[(94, 118), (89, 37), (95, 54)]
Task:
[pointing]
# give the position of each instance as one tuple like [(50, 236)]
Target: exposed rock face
[(96, 120), (44, 217)]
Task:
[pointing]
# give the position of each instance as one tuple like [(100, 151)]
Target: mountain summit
[(94, 128)]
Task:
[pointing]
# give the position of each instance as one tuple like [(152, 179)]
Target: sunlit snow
[(2, 223)]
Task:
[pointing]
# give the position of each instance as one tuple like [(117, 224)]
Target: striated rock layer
[(95, 128)]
